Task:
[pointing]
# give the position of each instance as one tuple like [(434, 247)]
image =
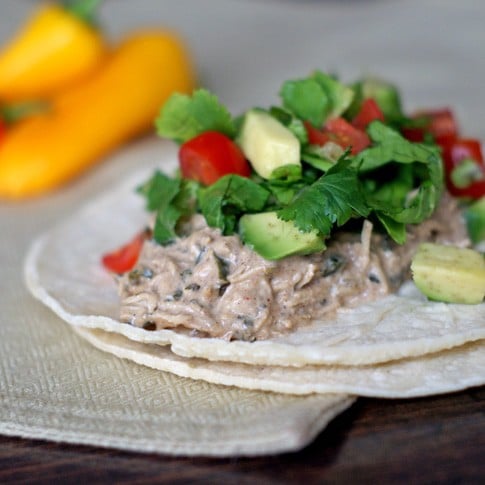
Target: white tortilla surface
[(63, 270), (437, 373)]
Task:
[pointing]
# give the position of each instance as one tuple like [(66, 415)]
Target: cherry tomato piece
[(340, 132), (476, 190), (316, 136), (211, 155), (124, 259), (369, 111), (442, 123), (455, 151), (438, 123), (347, 135)]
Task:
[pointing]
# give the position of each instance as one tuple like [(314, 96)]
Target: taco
[(299, 257)]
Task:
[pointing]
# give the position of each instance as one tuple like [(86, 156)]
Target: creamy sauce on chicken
[(213, 285)]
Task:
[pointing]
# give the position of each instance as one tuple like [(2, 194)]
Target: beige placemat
[(55, 386)]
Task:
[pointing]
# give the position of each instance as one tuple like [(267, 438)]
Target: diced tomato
[(124, 259), (457, 149), (454, 151), (442, 123), (369, 111), (211, 155), (438, 123), (413, 134), (346, 135), (316, 136), (476, 190), (338, 131)]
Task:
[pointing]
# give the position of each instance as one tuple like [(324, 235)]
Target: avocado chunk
[(268, 144), (449, 273), (274, 238), (475, 220)]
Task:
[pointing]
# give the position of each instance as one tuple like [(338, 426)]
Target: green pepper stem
[(12, 113), (83, 9)]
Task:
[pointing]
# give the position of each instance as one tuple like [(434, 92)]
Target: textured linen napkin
[(55, 386)]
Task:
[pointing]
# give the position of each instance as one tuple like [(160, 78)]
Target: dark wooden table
[(440, 439)]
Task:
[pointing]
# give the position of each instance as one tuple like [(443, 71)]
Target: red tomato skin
[(316, 136), (415, 135), (211, 155), (454, 150), (369, 112), (476, 190), (460, 148), (338, 131), (124, 259), (442, 124), (347, 135)]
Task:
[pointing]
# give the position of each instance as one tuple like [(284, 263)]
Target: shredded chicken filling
[(213, 285)]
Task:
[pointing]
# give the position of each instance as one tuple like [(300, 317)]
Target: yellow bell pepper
[(56, 47), (119, 102)]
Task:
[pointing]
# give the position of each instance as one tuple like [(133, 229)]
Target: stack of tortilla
[(399, 346)]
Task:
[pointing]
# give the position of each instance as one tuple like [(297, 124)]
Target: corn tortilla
[(63, 270)]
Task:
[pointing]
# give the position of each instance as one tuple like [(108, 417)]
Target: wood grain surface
[(439, 439)]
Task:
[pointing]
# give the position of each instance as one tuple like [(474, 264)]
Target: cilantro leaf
[(340, 96), (171, 199), (333, 199), (389, 146), (403, 181), (316, 98), (307, 100), (397, 230), (282, 194), (165, 222), (184, 117), (223, 202), (159, 190)]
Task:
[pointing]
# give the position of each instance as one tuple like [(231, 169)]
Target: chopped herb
[(374, 278), (332, 263), (184, 117), (223, 202), (333, 199), (193, 287)]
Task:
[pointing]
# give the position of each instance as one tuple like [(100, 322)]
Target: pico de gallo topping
[(328, 154)]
